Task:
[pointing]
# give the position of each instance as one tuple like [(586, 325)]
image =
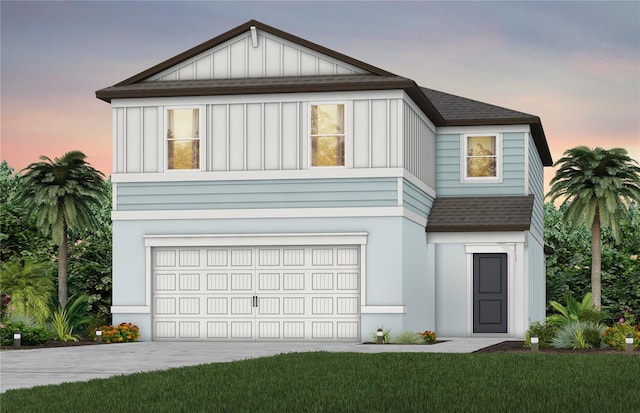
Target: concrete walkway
[(29, 368)]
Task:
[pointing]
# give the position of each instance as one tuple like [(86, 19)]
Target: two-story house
[(268, 188)]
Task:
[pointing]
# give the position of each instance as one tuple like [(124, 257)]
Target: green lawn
[(344, 382)]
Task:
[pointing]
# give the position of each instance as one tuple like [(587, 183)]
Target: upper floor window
[(183, 138), (327, 135), (482, 161)]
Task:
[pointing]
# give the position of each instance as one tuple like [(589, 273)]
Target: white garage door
[(245, 293)]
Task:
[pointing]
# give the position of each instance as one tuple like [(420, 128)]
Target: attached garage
[(256, 292)]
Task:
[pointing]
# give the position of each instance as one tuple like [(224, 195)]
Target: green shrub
[(31, 334), (578, 335), (615, 336), (408, 337), (571, 312), (545, 333), (590, 314)]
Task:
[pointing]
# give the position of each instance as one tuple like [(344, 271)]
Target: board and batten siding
[(268, 135), (272, 57), (448, 167), (418, 145), (290, 193), (536, 187)]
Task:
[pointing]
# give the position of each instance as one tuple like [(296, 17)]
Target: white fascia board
[(484, 237), (130, 309), (211, 240), (258, 213), (383, 309), (315, 173), (259, 98), (449, 130)]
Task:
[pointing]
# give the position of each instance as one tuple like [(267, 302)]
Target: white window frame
[(464, 179), (347, 146), (202, 137)]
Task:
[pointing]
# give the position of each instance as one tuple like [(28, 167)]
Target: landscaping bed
[(518, 347)]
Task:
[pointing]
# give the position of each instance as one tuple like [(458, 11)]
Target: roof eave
[(115, 93), (477, 228)]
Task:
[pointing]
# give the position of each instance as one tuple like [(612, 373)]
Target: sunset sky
[(574, 64)]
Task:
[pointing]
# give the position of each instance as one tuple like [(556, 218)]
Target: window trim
[(201, 136), (347, 146), (464, 179)]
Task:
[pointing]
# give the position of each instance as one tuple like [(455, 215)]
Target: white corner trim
[(208, 240), (130, 309), (383, 309)]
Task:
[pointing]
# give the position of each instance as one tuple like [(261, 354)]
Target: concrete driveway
[(29, 368)]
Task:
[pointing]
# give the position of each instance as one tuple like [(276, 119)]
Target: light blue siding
[(448, 168), (385, 251), (536, 187), (419, 293), (307, 193), (537, 294), (415, 200), (451, 290)]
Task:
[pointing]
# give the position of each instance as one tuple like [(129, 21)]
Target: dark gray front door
[(489, 293)]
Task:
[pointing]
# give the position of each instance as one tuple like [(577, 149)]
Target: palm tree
[(597, 186), (60, 193)]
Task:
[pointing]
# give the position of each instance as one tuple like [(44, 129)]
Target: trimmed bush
[(545, 333), (31, 334)]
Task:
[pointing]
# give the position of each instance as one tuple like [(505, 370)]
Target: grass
[(349, 382)]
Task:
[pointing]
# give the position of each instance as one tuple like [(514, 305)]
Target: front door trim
[(510, 249)]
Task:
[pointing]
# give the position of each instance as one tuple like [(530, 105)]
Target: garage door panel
[(189, 329), (293, 281), (217, 305), (242, 329), (322, 281), (268, 281), (189, 281), (217, 257), (242, 281), (241, 257), (189, 258), (288, 293), (241, 306), (217, 329), (217, 281), (165, 281), (293, 257)]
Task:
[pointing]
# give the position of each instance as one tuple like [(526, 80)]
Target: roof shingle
[(472, 214)]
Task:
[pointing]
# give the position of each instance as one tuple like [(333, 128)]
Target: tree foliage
[(60, 193), (569, 268), (596, 187)]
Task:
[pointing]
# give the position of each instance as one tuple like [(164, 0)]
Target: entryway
[(490, 293)]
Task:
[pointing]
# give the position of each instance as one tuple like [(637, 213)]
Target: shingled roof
[(471, 214)]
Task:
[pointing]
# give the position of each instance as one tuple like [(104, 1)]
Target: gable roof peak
[(239, 30)]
